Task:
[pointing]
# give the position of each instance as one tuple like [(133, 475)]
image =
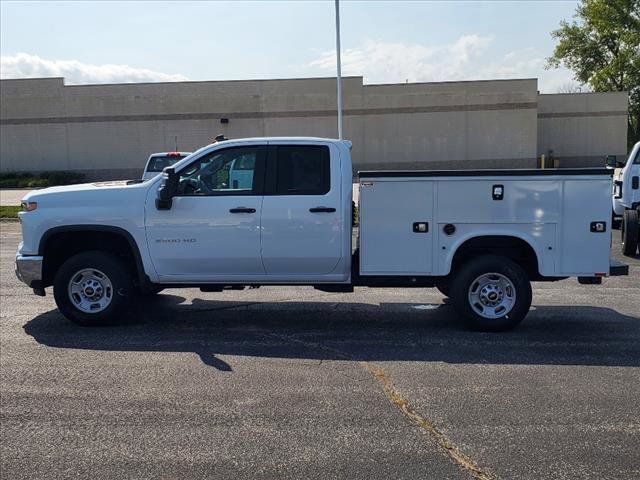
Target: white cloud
[(24, 65), (467, 58)]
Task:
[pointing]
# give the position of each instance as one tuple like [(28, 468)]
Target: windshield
[(188, 158)]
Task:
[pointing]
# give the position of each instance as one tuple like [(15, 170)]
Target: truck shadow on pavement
[(550, 335)]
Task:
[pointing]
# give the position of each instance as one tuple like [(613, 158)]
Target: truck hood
[(34, 195)]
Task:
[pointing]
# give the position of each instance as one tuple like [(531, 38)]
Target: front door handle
[(242, 210), (322, 210)]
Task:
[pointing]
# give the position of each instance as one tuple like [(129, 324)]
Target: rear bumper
[(29, 270), (617, 268)]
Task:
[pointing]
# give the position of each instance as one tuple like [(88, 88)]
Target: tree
[(602, 48)]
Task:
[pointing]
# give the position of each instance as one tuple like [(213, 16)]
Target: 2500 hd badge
[(176, 240)]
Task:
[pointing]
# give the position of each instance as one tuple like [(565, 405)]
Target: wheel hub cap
[(492, 295), (90, 290)]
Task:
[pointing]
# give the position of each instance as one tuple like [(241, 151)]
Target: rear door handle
[(322, 210), (242, 210)]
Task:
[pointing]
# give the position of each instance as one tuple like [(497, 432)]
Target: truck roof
[(284, 139)]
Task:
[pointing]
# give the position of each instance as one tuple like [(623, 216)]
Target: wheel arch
[(515, 246), (59, 243)]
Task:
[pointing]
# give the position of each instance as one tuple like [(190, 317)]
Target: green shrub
[(37, 180), (62, 177)]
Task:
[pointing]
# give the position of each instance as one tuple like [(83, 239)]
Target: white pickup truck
[(157, 162), (480, 237), (626, 199)]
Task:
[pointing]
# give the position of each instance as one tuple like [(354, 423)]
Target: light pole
[(339, 74)]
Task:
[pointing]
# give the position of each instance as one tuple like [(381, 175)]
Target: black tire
[(629, 232), (465, 278), (121, 291), (444, 287)]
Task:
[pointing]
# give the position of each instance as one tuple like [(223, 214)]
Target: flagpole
[(339, 72)]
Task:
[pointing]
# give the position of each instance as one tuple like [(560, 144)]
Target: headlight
[(29, 206)]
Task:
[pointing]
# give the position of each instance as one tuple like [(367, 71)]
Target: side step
[(335, 288)]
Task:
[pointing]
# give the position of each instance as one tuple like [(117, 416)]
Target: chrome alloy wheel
[(492, 295), (90, 290)]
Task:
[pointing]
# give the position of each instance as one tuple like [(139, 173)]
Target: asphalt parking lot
[(295, 383)]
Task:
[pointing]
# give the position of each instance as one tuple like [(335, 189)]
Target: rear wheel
[(629, 232), (93, 288), (491, 293)]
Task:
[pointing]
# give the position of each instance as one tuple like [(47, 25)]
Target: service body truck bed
[(556, 212)]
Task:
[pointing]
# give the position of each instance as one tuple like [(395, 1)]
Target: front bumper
[(29, 270)]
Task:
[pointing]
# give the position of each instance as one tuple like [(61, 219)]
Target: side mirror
[(611, 161), (167, 189)]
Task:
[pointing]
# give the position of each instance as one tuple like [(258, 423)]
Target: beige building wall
[(582, 128), (108, 131)]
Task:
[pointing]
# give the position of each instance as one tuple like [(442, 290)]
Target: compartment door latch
[(421, 227)]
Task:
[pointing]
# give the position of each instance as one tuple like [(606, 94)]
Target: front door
[(301, 211), (212, 231)]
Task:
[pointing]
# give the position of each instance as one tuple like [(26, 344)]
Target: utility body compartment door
[(396, 227), (583, 250)]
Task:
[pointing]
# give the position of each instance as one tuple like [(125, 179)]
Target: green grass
[(9, 211)]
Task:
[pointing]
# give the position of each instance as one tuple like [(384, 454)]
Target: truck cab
[(262, 211)]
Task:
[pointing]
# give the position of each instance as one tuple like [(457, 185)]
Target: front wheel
[(93, 288), (491, 293)]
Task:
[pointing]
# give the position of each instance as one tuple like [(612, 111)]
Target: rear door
[(301, 210)]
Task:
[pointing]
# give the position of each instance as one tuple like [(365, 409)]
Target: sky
[(385, 42)]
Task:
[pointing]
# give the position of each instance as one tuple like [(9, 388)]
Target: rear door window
[(303, 170)]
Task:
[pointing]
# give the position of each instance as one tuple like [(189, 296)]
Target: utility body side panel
[(552, 212)]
